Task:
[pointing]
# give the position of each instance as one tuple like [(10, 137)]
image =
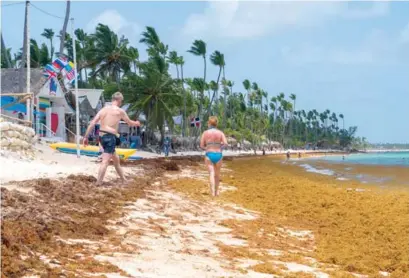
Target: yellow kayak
[(88, 150)]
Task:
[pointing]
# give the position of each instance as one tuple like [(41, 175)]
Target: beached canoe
[(71, 148)]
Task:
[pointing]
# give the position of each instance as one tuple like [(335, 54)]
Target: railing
[(70, 131), (19, 121), (47, 128)]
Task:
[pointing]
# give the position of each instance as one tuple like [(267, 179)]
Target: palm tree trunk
[(64, 28), (214, 93), (202, 93), (177, 71), (184, 102)]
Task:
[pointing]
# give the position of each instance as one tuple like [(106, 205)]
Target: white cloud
[(117, 23), (244, 20)]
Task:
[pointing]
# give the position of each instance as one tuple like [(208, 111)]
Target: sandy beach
[(268, 221)]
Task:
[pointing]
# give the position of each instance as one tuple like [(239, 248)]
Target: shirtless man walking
[(109, 118)]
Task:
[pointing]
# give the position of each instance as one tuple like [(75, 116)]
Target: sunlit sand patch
[(295, 267), (300, 235)]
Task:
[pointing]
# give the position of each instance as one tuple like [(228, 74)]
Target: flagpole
[(77, 108), (28, 78)]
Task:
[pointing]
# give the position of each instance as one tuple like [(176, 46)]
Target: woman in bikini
[(213, 140)]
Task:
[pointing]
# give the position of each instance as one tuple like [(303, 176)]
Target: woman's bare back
[(213, 140)]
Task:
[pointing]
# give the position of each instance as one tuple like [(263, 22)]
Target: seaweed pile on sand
[(311, 219), (46, 224)]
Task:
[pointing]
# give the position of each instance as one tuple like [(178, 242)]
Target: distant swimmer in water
[(288, 155), (343, 157), (299, 155), (213, 140)]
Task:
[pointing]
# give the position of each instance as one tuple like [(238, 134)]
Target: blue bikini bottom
[(214, 157)]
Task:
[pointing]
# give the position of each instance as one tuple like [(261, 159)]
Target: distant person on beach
[(299, 155), (213, 140), (109, 118), (166, 146)]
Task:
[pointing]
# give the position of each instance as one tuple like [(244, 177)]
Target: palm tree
[(153, 92), (82, 51), (133, 54), (217, 59), (63, 32), (247, 87), (110, 54), (343, 122), (198, 48), (181, 63), (152, 40), (174, 59), (49, 34), (256, 92), (293, 97)]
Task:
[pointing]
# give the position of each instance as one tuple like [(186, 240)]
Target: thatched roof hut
[(10, 81)]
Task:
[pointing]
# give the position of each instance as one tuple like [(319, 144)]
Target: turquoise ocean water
[(384, 158)]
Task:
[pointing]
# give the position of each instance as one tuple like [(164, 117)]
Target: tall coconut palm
[(110, 54), (293, 97), (154, 93), (181, 63), (174, 59), (198, 48), (151, 38), (133, 54), (49, 34), (343, 122), (217, 59), (247, 87), (82, 51), (256, 92)]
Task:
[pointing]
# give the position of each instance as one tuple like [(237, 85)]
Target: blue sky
[(349, 57)]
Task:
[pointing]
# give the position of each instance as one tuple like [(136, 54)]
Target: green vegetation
[(246, 111)]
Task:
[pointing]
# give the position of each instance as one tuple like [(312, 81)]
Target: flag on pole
[(50, 68), (195, 122), (63, 58), (53, 87), (177, 120), (70, 75), (59, 64), (49, 74)]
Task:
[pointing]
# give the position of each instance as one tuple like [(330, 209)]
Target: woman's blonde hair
[(213, 121)]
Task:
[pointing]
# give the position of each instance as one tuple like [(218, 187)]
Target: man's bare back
[(110, 118)]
